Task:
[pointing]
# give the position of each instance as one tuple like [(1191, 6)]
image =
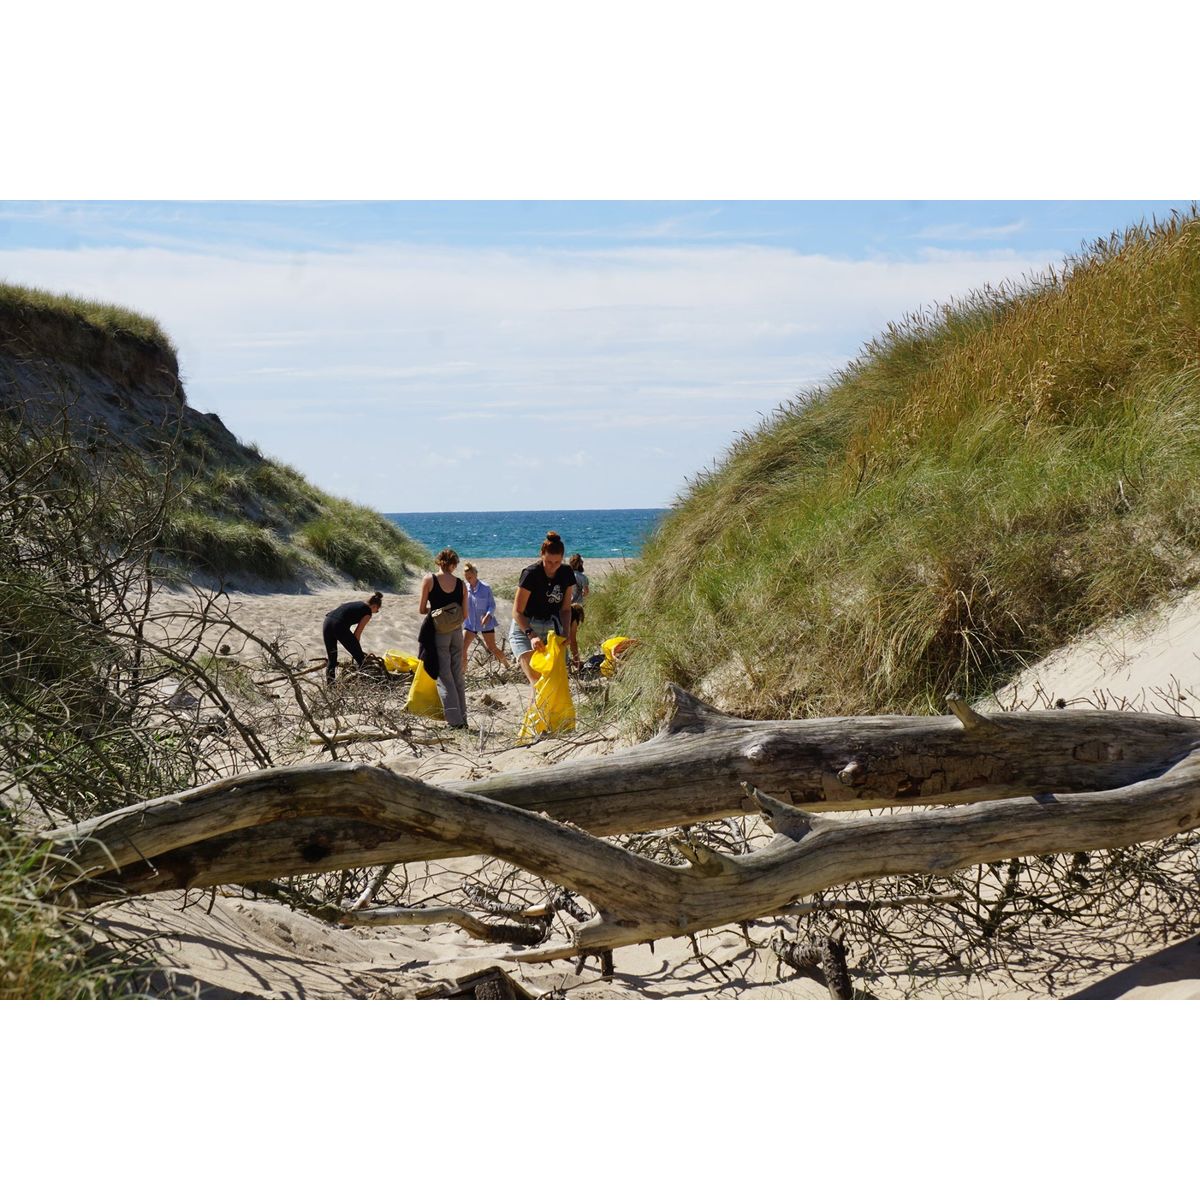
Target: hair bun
[(552, 536)]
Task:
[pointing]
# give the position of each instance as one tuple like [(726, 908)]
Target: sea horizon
[(516, 533)]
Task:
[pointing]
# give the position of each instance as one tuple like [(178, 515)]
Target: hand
[(535, 640)]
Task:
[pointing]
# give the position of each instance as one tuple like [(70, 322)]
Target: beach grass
[(45, 952), (981, 484), (362, 543), (107, 318)]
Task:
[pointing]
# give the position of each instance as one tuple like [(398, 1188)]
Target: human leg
[(469, 636), (458, 672), (449, 652), (576, 622), (523, 651), (347, 639), (489, 640), (330, 638)]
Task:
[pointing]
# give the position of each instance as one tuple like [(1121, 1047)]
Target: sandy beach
[(295, 619), (225, 943)]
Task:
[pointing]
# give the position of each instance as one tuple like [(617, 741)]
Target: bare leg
[(489, 640), (530, 673), (468, 638)]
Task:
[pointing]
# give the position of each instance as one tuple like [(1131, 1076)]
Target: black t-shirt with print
[(545, 594)]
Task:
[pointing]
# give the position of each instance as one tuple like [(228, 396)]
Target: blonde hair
[(470, 566)]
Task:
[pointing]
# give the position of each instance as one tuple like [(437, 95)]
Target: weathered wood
[(691, 772), (639, 900)]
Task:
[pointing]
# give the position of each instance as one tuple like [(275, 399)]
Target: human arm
[(358, 632), (519, 601), (426, 584)]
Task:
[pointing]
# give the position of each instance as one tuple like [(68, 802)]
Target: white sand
[(256, 948), (1150, 662)]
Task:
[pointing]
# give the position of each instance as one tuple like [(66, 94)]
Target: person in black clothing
[(542, 603), (339, 626), (438, 591)]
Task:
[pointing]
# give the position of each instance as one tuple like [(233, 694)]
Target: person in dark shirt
[(542, 603), (440, 590), (581, 591), (340, 627)]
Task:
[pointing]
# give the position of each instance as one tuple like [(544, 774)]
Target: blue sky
[(499, 355)]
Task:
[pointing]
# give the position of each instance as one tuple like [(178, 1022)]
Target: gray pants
[(451, 684)]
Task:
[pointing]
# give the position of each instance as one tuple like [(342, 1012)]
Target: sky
[(472, 355)]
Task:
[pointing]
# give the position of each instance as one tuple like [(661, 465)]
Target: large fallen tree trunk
[(1147, 767), (691, 772)]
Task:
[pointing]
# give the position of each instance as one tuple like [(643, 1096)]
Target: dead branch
[(323, 816)]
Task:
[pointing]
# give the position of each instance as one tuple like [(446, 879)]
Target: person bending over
[(542, 603), (344, 625)]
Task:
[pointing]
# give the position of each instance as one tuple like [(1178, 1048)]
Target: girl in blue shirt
[(481, 615)]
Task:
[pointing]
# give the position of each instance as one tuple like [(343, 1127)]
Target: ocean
[(592, 532)]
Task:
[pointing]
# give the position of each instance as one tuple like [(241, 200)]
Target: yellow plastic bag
[(612, 647), (552, 710), (395, 661), (423, 698)]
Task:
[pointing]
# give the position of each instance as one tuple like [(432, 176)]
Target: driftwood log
[(1021, 783)]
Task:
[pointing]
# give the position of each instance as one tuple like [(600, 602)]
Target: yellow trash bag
[(395, 661), (612, 647), (552, 710), (423, 698)]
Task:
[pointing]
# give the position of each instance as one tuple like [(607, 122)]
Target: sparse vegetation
[(45, 951), (230, 547), (362, 543), (983, 482)]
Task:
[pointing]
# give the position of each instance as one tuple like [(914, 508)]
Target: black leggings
[(333, 635)]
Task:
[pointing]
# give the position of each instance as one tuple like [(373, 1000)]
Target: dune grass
[(108, 318), (982, 483), (229, 547), (361, 542), (45, 952)]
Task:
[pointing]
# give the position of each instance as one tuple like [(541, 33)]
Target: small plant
[(47, 953)]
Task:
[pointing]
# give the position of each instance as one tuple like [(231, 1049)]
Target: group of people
[(550, 597)]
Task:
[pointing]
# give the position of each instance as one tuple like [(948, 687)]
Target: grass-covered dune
[(980, 484), (233, 514)]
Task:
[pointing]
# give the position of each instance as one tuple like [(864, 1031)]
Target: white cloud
[(340, 363), (964, 232)]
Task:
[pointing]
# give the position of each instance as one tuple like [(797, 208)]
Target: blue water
[(592, 532)]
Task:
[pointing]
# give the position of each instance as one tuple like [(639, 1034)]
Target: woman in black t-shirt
[(542, 603), (339, 627)]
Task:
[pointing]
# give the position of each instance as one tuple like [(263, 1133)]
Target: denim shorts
[(518, 640)]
